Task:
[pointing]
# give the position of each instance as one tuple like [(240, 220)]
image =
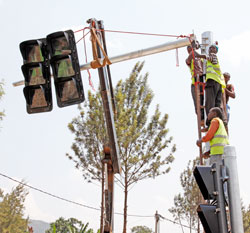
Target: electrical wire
[(169, 220), (67, 200), (89, 207)]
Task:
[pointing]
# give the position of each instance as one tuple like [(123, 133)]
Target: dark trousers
[(213, 95), (201, 97)]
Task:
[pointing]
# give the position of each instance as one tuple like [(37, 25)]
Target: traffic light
[(65, 67), (36, 71), (212, 216)]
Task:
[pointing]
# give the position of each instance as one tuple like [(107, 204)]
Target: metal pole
[(102, 202), (220, 199), (144, 52), (233, 190)]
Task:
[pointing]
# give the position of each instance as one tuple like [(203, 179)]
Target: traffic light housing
[(36, 71), (66, 69), (209, 218), (212, 216)]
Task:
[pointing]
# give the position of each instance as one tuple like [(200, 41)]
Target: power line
[(49, 194), (175, 222), (89, 207), (69, 201)]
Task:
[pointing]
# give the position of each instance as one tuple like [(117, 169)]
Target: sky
[(33, 147)]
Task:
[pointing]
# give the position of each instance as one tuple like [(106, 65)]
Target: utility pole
[(157, 222)]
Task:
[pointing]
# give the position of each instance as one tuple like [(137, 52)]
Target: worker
[(229, 90), (196, 69), (216, 134), (214, 80)]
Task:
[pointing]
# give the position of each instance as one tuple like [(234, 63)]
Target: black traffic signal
[(212, 216), (65, 67), (36, 71)]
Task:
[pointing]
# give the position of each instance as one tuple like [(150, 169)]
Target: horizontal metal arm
[(145, 52)]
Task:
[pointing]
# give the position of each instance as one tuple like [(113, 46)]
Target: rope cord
[(137, 33)]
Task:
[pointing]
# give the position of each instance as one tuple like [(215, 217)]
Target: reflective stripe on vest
[(192, 71), (214, 72), (219, 140)]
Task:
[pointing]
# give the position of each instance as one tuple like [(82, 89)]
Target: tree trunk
[(125, 206)]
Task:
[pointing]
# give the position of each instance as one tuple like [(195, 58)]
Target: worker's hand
[(203, 130), (198, 143)]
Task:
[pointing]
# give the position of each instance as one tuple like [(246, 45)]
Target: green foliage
[(12, 211), (140, 143), (1, 95), (246, 218), (70, 225), (141, 229), (185, 205)]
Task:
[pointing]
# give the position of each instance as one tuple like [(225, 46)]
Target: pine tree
[(12, 211), (246, 218), (185, 205), (142, 141)]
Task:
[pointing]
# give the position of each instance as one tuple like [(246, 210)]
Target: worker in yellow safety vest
[(216, 134), (215, 82)]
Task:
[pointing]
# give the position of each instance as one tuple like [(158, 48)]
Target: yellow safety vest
[(192, 71), (219, 140), (214, 72)]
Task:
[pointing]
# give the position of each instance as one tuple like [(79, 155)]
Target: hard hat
[(227, 74), (214, 45)]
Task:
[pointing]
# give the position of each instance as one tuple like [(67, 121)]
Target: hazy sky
[(33, 147)]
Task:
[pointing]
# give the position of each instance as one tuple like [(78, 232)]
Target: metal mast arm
[(145, 52)]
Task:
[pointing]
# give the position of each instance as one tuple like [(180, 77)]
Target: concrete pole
[(233, 190)]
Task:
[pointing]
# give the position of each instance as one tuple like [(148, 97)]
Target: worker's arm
[(230, 91), (200, 55), (211, 132), (189, 59)]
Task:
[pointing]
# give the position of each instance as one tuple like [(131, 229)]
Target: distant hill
[(39, 226)]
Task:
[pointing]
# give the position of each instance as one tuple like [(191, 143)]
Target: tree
[(70, 225), (140, 140), (185, 205), (246, 218), (12, 211), (141, 229), (1, 95)]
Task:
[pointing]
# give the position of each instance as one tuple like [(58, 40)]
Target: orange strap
[(96, 63)]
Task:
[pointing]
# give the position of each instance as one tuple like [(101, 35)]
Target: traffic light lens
[(64, 68), (60, 46), (34, 53), (36, 76), (68, 90), (39, 100)]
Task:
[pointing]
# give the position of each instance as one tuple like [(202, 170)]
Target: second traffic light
[(66, 69), (212, 216)]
